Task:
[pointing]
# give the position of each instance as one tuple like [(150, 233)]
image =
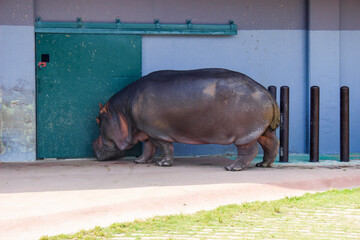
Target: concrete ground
[(53, 197)]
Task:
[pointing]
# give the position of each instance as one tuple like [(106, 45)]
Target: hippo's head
[(114, 136)]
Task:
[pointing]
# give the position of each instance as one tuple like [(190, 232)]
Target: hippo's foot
[(165, 162), (168, 152), (246, 153), (263, 164), (143, 160), (148, 154), (234, 167)]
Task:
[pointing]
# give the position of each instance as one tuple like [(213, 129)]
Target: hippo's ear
[(104, 109), (124, 126), (123, 141)]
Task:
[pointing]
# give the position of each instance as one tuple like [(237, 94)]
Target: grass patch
[(333, 214)]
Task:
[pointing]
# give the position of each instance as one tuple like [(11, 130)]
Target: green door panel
[(82, 71)]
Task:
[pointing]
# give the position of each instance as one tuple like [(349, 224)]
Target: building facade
[(297, 43)]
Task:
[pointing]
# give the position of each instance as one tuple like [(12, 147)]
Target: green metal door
[(76, 73)]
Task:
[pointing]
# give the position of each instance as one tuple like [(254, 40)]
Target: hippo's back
[(202, 106)]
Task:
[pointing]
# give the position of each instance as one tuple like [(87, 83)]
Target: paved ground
[(48, 198)]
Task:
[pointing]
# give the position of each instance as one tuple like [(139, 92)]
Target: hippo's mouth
[(106, 155)]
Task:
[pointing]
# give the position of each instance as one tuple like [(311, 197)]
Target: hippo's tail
[(275, 122)]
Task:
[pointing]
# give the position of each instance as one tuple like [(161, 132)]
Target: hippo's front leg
[(148, 154), (168, 151)]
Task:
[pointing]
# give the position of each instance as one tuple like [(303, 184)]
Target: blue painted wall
[(350, 76), (324, 71), (271, 57), (297, 58)]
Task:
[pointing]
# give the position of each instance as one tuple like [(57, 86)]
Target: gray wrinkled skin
[(205, 106)]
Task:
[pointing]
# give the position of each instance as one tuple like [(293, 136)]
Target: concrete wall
[(333, 52), (350, 64), (17, 81), (298, 43), (248, 14)]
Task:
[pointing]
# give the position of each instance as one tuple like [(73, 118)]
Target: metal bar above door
[(136, 28)]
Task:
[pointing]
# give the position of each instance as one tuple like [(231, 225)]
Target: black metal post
[(314, 123), (344, 124), (272, 90), (284, 124)]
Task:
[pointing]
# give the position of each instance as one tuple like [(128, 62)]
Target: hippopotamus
[(204, 106)]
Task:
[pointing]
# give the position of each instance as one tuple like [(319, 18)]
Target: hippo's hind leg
[(246, 153), (270, 143), (148, 154), (168, 150)]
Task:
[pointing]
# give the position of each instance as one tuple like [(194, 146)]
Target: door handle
[(41, 65)]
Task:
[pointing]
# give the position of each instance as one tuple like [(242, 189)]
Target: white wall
[(17, 93)]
